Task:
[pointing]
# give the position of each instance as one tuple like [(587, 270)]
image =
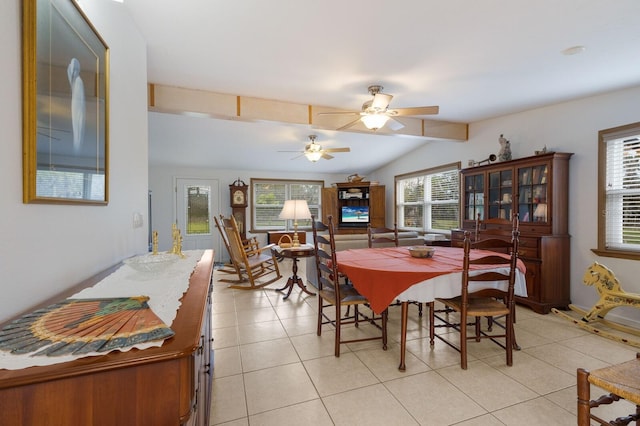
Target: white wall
[(566, 127), (45, 249)]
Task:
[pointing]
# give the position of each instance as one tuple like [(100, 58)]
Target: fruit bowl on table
[(422, 252)]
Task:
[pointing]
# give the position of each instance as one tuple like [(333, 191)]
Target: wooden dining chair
[(620, 381), (491, 302), (334, 294), (387, 237), (251, 262)]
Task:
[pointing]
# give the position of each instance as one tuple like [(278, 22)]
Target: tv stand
[(348, 194)]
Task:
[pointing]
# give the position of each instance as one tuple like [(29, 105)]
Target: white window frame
[(427, 203), (284, 225), (613, 144)]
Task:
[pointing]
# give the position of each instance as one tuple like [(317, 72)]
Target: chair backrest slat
[(236, 247), (325, 255), (495, 244), (382, 236)]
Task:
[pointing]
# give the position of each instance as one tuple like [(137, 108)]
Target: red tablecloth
[(381, 274)]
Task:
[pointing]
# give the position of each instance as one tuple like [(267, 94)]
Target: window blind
[(622, 193)]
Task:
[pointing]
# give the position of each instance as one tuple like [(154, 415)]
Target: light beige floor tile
[(431, 400), (549, 329), (565, 398), (606, 350), (260, 331), (384, 364), (371, 405), (485, 420), (527, 339), (293, 310), (474, 383), (256, 315), (306, 413), (332, 375), (223, 320), (298, 325), (228, 402), (225, 337), (537, 375), (226, 362), (537, 412), (311, 346), (440, 356), (240, 422), (277, 387), (267, 354), (565, 358), (251, 303)]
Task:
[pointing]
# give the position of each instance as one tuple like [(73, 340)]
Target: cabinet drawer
[(528, 247)]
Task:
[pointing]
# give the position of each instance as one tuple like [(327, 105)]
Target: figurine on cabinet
[(505, 149)]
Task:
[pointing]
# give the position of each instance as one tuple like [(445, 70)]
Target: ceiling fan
[(315, 152), (375, 113)]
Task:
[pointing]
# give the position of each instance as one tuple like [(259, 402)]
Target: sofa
[(356, 241)]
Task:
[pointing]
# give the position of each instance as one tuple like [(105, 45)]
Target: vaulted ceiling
[(476, 60)]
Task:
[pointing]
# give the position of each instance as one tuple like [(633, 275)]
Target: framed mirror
[(65, 105)]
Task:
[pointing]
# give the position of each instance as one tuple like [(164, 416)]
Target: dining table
[(384, 275)]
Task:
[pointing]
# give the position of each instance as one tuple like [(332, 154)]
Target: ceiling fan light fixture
[(313, 156), (374, 121)]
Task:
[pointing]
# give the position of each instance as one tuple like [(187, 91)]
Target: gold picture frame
[(65, 105)]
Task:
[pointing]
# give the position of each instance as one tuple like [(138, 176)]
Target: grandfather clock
[(238, 197)]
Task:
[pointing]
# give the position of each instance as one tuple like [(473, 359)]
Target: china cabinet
[(537, 190)]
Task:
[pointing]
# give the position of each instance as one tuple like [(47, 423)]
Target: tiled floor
[(270, 368)]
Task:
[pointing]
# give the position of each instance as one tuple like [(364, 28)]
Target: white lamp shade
[(374, 121), (295, 209)]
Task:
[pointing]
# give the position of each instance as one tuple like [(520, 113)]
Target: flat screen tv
[(355, 216)]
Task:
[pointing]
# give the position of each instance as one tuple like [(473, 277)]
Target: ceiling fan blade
[(426, 110), (326, 156), (294, 151), (337, 150), (381, 101), (353, 123), (297, 156), (394, 124)]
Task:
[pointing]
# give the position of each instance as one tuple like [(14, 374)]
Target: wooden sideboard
[(167, 385)]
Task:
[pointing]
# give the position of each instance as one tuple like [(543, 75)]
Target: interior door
[(196, 203)]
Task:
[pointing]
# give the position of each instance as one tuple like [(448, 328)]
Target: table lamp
[(294, 210)]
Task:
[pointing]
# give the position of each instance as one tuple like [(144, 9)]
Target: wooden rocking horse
[(611, 296)]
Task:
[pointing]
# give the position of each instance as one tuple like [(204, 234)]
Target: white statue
[(505, 149)]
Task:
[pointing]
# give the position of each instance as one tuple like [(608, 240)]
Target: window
[(268, 197), (198, 201), (619, 192), (428, 200)]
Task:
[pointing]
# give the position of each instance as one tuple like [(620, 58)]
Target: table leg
[(403, 334), (295, 279)]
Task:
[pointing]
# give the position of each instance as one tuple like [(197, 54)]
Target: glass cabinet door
[(532, 190), (474, 199), (501, 194)]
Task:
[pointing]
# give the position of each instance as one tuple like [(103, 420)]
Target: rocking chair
[(250, 262)]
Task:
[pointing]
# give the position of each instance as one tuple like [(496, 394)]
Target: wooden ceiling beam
[(177, 100)]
